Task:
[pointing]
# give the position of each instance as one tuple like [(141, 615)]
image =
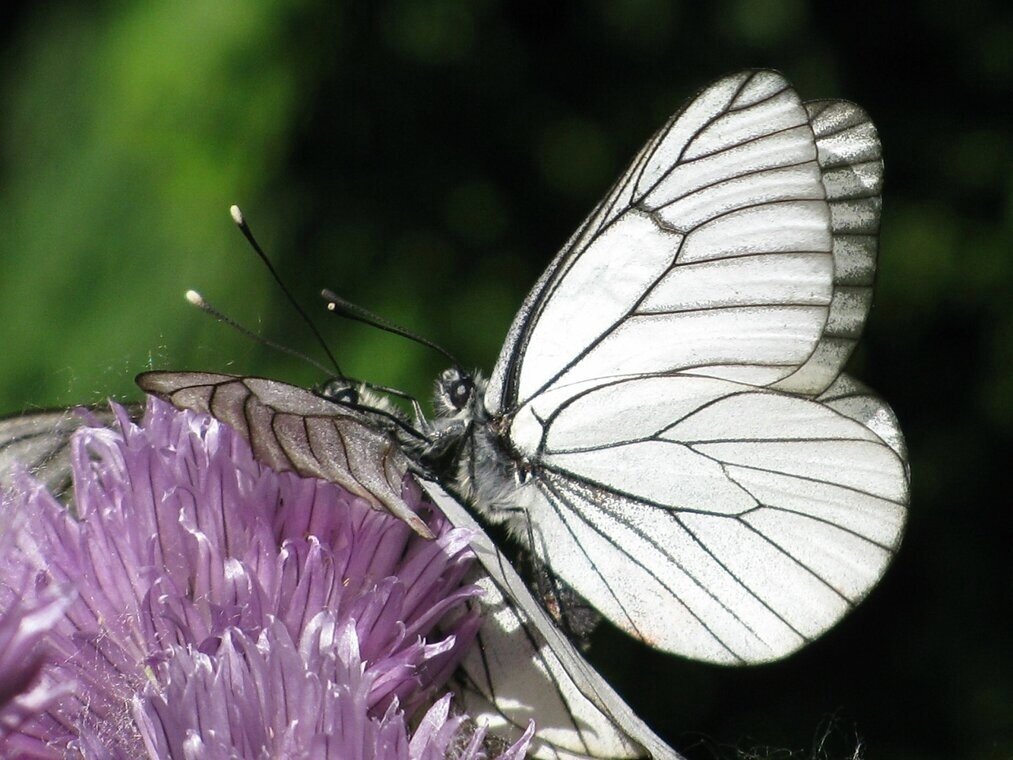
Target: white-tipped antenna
[(240, 220), (199, 301)]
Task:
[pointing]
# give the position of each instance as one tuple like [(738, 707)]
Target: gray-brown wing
[(39, 442), (291, 429)]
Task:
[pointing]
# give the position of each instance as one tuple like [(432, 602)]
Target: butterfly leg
[(421, 423)]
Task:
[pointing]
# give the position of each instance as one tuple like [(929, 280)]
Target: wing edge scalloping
[(832, 351)]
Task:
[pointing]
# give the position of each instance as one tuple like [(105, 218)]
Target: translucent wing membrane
[(290, 428), (39, 443), (717, 520), (713, 253), (524, 668), (851, 166)]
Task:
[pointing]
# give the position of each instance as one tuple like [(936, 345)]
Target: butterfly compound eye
[(459, 392), (347, 396), (340, 393)]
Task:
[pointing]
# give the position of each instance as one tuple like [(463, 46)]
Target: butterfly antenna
[(198, 300), (343, 308), (201, 303), (240, 220)]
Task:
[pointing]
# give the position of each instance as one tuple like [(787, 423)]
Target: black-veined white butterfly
[(668, 420)]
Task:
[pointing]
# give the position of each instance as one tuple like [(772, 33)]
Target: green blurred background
[(426, 157)]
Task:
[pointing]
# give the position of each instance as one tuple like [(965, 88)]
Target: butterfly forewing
[(731, 193)]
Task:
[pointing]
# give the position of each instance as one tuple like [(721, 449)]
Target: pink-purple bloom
[(197, 604)]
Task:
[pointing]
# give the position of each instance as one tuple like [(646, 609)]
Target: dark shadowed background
[(427, 157)]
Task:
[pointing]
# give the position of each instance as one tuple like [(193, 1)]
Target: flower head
[(204, 606)]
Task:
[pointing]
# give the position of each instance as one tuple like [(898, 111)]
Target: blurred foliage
[(425, 158)]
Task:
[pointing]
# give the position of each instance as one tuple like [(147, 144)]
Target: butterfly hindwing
[(291, 428), (714, 519)]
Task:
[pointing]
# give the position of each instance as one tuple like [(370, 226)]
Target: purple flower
[(200, 605)]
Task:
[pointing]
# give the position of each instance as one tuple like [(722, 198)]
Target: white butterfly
[(668, 420), (668, 417)]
